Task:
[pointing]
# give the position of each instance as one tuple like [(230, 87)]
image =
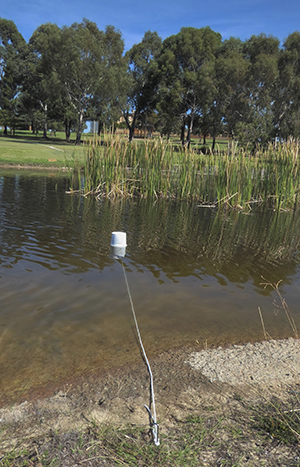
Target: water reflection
[(194, 275)]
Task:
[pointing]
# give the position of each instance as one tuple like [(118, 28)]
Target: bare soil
[(227, 388)]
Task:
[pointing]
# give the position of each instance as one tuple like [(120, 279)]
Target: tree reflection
[(40, 223)]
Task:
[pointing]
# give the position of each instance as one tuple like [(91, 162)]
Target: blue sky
[(238, 18)]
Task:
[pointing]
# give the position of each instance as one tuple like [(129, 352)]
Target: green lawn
[(27, 149), (198, 142)]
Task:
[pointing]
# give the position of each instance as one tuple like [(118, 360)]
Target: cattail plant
[(154, 168)]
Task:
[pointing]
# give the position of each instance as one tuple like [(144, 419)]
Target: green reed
[(157, 169)]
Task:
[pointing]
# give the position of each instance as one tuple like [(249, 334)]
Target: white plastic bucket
[(118, 244), (118, 239)]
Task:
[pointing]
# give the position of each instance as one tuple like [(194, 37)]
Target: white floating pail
[(118, 244), (118, 239)]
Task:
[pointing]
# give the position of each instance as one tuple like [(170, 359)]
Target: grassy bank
[(26, 148), (202, 424), (196, 442), (155, 168)]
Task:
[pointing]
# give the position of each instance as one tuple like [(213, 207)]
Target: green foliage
[(42, 97), (140, 81), (157, 169), (12, 57), (186, 71), (85, 55), (287, 103), (194, 82)]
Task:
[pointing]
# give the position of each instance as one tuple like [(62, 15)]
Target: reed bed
[(154, 168)]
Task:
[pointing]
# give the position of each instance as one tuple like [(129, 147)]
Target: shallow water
[(195, 277)]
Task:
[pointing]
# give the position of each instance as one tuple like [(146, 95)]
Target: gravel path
[(262, 362)]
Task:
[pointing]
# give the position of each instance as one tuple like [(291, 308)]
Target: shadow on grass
[(27, 139)]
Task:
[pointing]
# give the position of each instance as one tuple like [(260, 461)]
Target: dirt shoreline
[(222, 382)]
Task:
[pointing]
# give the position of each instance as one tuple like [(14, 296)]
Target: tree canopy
[(193, 82), (12, 59)]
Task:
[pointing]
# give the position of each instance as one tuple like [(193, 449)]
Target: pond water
[(195, 277)]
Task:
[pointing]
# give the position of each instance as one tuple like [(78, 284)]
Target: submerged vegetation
[(155, 168)]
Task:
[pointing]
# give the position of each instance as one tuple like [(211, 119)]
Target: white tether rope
[(154, 425)]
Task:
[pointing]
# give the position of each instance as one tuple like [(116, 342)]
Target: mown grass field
[(27, 149)]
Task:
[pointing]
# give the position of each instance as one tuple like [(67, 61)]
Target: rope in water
[(154, 425)]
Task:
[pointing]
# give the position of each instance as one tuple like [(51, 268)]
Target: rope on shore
[(152, 415)]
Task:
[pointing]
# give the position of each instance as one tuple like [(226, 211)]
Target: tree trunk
[(78, 138), (213, 142), (45, 129), (131, 133), (190, 129), (5, 130), (182, 135), (67, 130), (79, 129), (188, 138), (130, 126), (45, 109), (100, 126)]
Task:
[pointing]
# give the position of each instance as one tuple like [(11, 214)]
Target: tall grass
[(159, 169)]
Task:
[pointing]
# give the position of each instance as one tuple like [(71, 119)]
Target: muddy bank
[(213, 384)]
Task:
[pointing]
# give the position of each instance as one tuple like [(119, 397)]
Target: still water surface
[(195, 277)]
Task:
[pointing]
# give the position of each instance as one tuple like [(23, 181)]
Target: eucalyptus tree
[(42, 89), (287, 103), (225, 95), (83, 61), (109, 93), (168, 107), (261, 53), (229, 105), (138, 85), (12, 56), (186, 69)]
